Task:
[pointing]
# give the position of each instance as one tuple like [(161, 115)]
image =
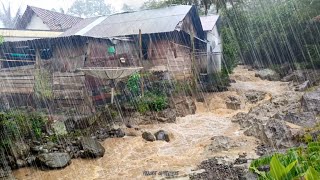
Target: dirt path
[(129, 157)]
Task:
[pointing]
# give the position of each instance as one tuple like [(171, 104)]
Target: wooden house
[(166, 38), (35, 18), (24, 65)]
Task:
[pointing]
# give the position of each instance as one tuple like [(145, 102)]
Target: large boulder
[(304, 119), (268, 74), (185, 106), (303, 75), (221, 143), (148, 136), (166, 116), (54, 160), (162, 136), (311, 101), (91, 148)]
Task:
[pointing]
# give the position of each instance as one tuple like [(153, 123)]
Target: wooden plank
[(17, 78), (17, 81), (68, 86), (17, 73), (11, 60), (61, 74), (2, 85), (72, 102), (75, 78), (16, 90), (67, 94)]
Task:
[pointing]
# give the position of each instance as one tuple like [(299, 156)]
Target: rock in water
[(162, 136), (311, 101), (54, 160), (268, 74), (91, 148), (148, 136), (233, 103), (255, 96)]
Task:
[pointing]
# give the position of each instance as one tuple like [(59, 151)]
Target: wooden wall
[(176, 58)]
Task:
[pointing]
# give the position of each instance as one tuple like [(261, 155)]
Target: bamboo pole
[(141, 64)]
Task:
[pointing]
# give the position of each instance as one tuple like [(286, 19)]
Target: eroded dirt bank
[(191, 139)]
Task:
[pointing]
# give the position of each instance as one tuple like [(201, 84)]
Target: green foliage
[(278, 171), (133, 83), (151, 102), (43, 85), (92, 8), (295, 163), (275, 32), (15, 125)]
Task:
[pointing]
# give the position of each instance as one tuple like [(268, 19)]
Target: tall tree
[(6, 17), (90, 8)]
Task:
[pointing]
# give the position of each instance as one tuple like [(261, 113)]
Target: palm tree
[(6, 17)]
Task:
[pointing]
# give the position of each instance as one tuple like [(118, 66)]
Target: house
[(37, 23), (167, 35), (60, 58), (41, 19), (214, 47)]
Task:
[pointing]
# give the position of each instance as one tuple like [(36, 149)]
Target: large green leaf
[(312, 174), (277, 170)]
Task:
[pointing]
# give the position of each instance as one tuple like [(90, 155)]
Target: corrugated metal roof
[(208, 22), (149, 21), (55, 21)]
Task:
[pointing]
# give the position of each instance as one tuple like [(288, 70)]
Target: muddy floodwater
[(134, 158)]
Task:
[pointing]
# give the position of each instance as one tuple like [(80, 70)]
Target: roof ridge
[(53, 11)]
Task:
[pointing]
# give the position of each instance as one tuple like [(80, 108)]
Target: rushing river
[(134, 158)]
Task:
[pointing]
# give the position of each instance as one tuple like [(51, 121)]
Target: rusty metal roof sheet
[(123, 24), (208, 22), (56, 21)]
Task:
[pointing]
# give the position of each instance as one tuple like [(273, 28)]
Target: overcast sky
[(65, 4)]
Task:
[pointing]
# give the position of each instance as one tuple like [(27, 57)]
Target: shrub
[(151, 102), (133, 83), (294, 164), (15, 125)]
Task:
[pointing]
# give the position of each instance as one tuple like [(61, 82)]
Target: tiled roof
[(56, 21)]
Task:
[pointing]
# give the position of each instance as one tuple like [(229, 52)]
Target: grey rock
[(162, 136), (148, 136), (268, 74), (233, 103), (221, 143), (304, 86), (255, 96), (19, 150), (21, 163), (92, 148), (184, 106), (304, 119), (31, 160), (54, 160), (311, 101)]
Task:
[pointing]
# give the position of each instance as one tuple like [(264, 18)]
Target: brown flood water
[(129, 157)]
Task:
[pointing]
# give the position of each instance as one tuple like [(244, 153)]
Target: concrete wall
[(37, 24), (214, 50)]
